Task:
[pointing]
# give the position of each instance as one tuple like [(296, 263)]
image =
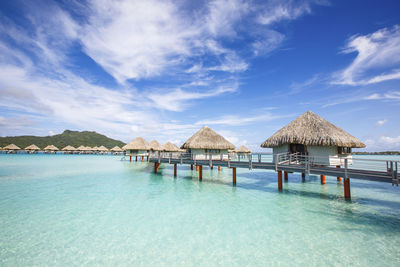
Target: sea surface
[(66, 210)]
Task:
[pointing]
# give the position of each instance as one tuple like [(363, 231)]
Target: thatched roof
[(81, 148), (137, 144), (69, 148), (51, 148), (116, 149), (11, 147), (169, 147), (206, 138), (95, 148), (155, 146), (242, 149), (103, 148), (312, 130), (32, 147), (88, 148)]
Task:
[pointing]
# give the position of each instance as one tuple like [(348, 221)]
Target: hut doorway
[(297, 148)]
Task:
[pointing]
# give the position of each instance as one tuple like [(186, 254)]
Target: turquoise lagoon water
[(98, 210)]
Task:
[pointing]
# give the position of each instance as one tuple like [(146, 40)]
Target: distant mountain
[(73, 138)]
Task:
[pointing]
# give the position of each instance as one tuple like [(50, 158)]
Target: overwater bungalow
[(155, 146), (89, 150), (315, 137), (170, 147), (103, 149), (32, 149), (50, 149), (69, 149), (137, 147), (116, 150), (81, 149), (11, 149), (207, 144), (242, 152)]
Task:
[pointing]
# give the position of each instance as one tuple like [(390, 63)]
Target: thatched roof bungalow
[(155, 146), (116, 149), (11, 147), (103, 149), (69, 149), (50, 149), (242, 150), (169, 147), (206, 144), (137, 147), (32, 148), (314, 136)]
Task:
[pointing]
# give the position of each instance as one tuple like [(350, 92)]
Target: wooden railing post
[(347, 193), (276, 162)]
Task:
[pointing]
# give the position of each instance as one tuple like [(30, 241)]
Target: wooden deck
[(374, 170)]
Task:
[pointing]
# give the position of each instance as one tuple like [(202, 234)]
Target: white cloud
[(390, 142), (377, 60), (234, 120), (381, 122), (276, 11)]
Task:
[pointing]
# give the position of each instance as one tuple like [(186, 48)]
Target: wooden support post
[(338, 178), (191, 166), (147, 158), (286, 176), (156, 166), (200, 171), (219, 168), (347, 194), (175, 169), (136, 159), (142, 158), (197, 168), (303, 176), (279, 180), (130, 158), (234, 176), (322, 179)]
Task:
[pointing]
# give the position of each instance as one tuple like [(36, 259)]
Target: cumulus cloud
[(377, 60)]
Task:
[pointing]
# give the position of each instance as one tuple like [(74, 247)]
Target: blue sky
[(163, 69)]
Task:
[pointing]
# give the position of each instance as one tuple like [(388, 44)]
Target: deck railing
[(300, 160)]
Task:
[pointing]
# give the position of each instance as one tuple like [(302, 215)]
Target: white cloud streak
[(377, 60)]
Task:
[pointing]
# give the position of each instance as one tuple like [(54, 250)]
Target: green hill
[(73, 138)]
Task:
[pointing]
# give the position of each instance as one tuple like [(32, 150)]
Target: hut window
[(344, 150), (213, 151)]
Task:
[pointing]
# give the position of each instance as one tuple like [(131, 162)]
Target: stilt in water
[(136, 159), (142, 158), (303, 177), (175, 169), (279, 180), (286, 176), (191, 167), (219, 168), (200, 172), (322, 179), (130, 158), (197, 168), (338, 178), (156, 166), (347, 194), (234, 176)]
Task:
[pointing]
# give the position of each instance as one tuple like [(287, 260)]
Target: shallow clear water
[(98, 210)]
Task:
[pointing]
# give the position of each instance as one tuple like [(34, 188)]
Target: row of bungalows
[(51, 149), (309, 136)]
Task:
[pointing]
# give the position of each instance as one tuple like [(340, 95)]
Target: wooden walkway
[(388, 175)]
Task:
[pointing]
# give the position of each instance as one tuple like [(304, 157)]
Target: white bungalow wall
[(322, 155)]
